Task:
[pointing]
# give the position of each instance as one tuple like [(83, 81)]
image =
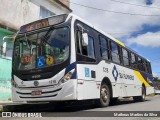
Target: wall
[(66, 2), (14, 13), (5, 79)]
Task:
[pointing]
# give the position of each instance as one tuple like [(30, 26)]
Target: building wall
[(14, 13), (66, 2), (5, 79)]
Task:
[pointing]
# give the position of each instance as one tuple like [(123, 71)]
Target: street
[(81, 111)]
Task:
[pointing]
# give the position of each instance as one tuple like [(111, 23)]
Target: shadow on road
[(62, 107)]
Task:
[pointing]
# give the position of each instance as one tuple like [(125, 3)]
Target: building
[(13, 14)]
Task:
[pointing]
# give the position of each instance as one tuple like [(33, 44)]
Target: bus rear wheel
[(142, 97), (104, 96)]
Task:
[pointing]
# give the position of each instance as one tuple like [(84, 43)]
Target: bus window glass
[(139, 63), (133, 61), (90, 47), (104, 48), (115, 53), (29, 49), (85, 53), (125, 57)]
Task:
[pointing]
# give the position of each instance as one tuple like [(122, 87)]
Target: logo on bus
[(87, 72), (115, 73), (36, 83)]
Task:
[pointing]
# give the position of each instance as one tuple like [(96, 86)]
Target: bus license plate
[(37, 92)]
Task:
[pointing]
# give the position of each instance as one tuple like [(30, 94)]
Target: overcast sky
[(141, 33)]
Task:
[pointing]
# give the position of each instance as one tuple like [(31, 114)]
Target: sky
[(139, 29)]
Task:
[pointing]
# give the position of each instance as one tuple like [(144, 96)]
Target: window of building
[(125, 57), (104, 48), (115, 52), (45, 12)]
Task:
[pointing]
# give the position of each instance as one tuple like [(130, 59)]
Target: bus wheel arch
[(141, 98), (105, 93), (107, 81)]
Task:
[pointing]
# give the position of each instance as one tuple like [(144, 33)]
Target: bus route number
[(105, 69)]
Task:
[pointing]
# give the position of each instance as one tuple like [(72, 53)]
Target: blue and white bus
[(65, 58)]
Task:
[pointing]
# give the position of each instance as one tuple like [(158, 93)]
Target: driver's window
[(85, 53)]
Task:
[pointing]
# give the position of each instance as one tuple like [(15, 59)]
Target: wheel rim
[(104, 95)]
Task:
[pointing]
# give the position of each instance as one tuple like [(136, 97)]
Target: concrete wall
[(14, 13), (66, 2), (5, 79)]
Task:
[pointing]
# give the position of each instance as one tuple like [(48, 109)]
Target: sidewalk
[(9, 105), (20, 106)]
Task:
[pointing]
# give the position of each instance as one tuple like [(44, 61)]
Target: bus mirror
[(5, 39), (85, 39)]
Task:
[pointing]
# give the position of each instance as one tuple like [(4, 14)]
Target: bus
[(65, 58)]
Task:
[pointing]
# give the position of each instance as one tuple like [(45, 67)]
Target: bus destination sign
[(35, 25)]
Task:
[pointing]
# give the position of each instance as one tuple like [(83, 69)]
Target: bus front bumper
[(65, 91)]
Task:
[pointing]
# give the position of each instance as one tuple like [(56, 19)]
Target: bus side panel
[(87, 87)]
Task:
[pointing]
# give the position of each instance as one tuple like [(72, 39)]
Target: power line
[(116, 12), (154, 7)]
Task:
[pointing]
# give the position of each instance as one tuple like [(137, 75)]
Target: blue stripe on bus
[(71, 67)]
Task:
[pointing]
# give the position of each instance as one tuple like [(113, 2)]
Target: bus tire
[(142, 97), (104, 96)]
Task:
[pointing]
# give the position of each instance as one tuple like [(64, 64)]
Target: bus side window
[(104, 48), (90, 47), (78, 40), (133, 61), (145, 66), (125, 57), (85, 53), (140, 64), (115, 53), (149, 68)]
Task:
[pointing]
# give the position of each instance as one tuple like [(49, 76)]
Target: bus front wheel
[(104, 95)]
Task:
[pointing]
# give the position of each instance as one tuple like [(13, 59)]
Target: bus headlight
[(14, 83), (66, 77)]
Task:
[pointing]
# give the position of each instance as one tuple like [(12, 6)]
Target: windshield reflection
[(41, 50)]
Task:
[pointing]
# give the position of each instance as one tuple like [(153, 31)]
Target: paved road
[(151, 104)]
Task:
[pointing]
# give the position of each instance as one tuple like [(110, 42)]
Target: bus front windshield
[(41, 49)]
